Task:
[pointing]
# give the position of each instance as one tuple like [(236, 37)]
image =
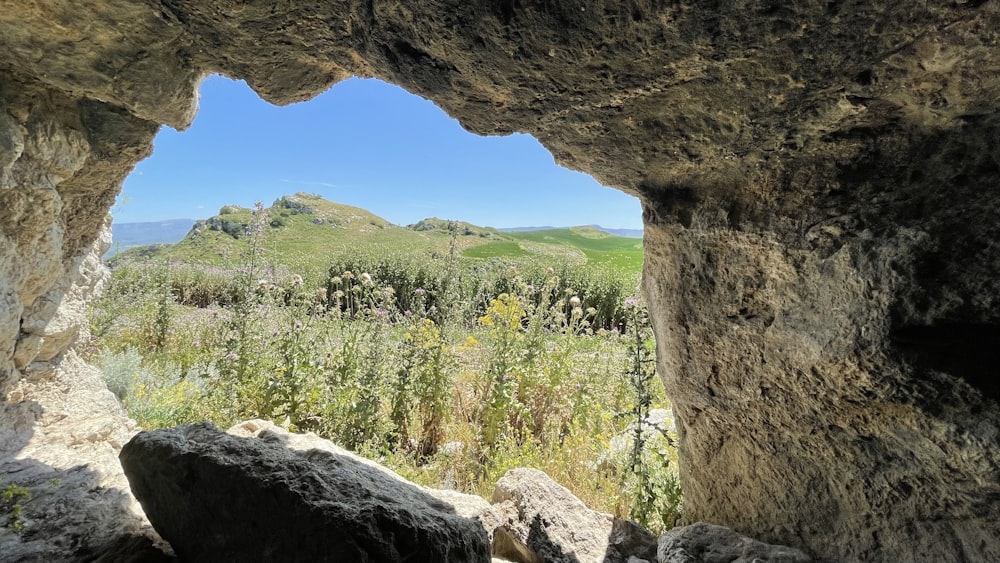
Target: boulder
[(536, 520), (62, 445), (221, 497), (708, 543)]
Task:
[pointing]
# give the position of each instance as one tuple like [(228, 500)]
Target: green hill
[(305, 233), (599, 247)]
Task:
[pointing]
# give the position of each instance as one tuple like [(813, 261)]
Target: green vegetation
[(499, 249), (447, 368), (12, 498)]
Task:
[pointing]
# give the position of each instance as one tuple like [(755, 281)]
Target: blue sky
[(364, 143)]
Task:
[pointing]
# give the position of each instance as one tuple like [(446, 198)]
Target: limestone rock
[(469, 506), (535, 520), (219, 497), (708, 543), (60, 433)]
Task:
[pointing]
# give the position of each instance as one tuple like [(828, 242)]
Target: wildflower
[(366, 279), (574, 302), (348, 275), (388, 292), (632, 302), (231, 355), (296, 279), (321, 293), (298, 324), (336, 280), (549, 272), (419, 291), (407, 313)]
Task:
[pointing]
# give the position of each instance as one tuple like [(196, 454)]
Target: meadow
[(449, 368)]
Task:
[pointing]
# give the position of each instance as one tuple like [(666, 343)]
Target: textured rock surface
[(819, 190), (708, 543), (534, 520), (62, 445), (468, 506), (219, 497)]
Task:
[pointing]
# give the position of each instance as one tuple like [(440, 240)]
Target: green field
[(499, 249), (600, 248)]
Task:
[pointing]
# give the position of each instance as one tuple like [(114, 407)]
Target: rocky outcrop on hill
[(819, 190), (219, 497)]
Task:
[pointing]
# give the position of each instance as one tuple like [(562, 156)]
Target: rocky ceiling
[(820, 190)]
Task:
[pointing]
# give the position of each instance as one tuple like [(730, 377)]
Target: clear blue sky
[(364, 143)]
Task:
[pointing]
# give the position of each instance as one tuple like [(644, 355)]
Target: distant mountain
[(128, 235), (627, 233)]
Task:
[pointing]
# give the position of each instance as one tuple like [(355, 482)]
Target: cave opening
[(358, 177)]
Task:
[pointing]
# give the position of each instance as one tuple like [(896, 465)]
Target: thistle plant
[(237, 366), (648, 479)]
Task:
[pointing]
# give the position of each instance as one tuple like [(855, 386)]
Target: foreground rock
[(536, 520), (708, 543), (219, 497), (60, 433)]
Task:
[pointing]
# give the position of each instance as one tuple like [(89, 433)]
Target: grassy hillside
[(599, 247), (306, 233)]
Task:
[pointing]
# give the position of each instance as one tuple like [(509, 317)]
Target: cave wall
[(819, 185)]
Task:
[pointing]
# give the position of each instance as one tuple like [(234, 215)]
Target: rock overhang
[(818, 182)]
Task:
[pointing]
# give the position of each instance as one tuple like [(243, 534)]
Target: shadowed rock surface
[(707, 543), (218, 497), (819, 185), (62, 446), (536, 520)]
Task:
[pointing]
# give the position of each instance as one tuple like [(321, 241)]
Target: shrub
[(451, 371), (120, 370)]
